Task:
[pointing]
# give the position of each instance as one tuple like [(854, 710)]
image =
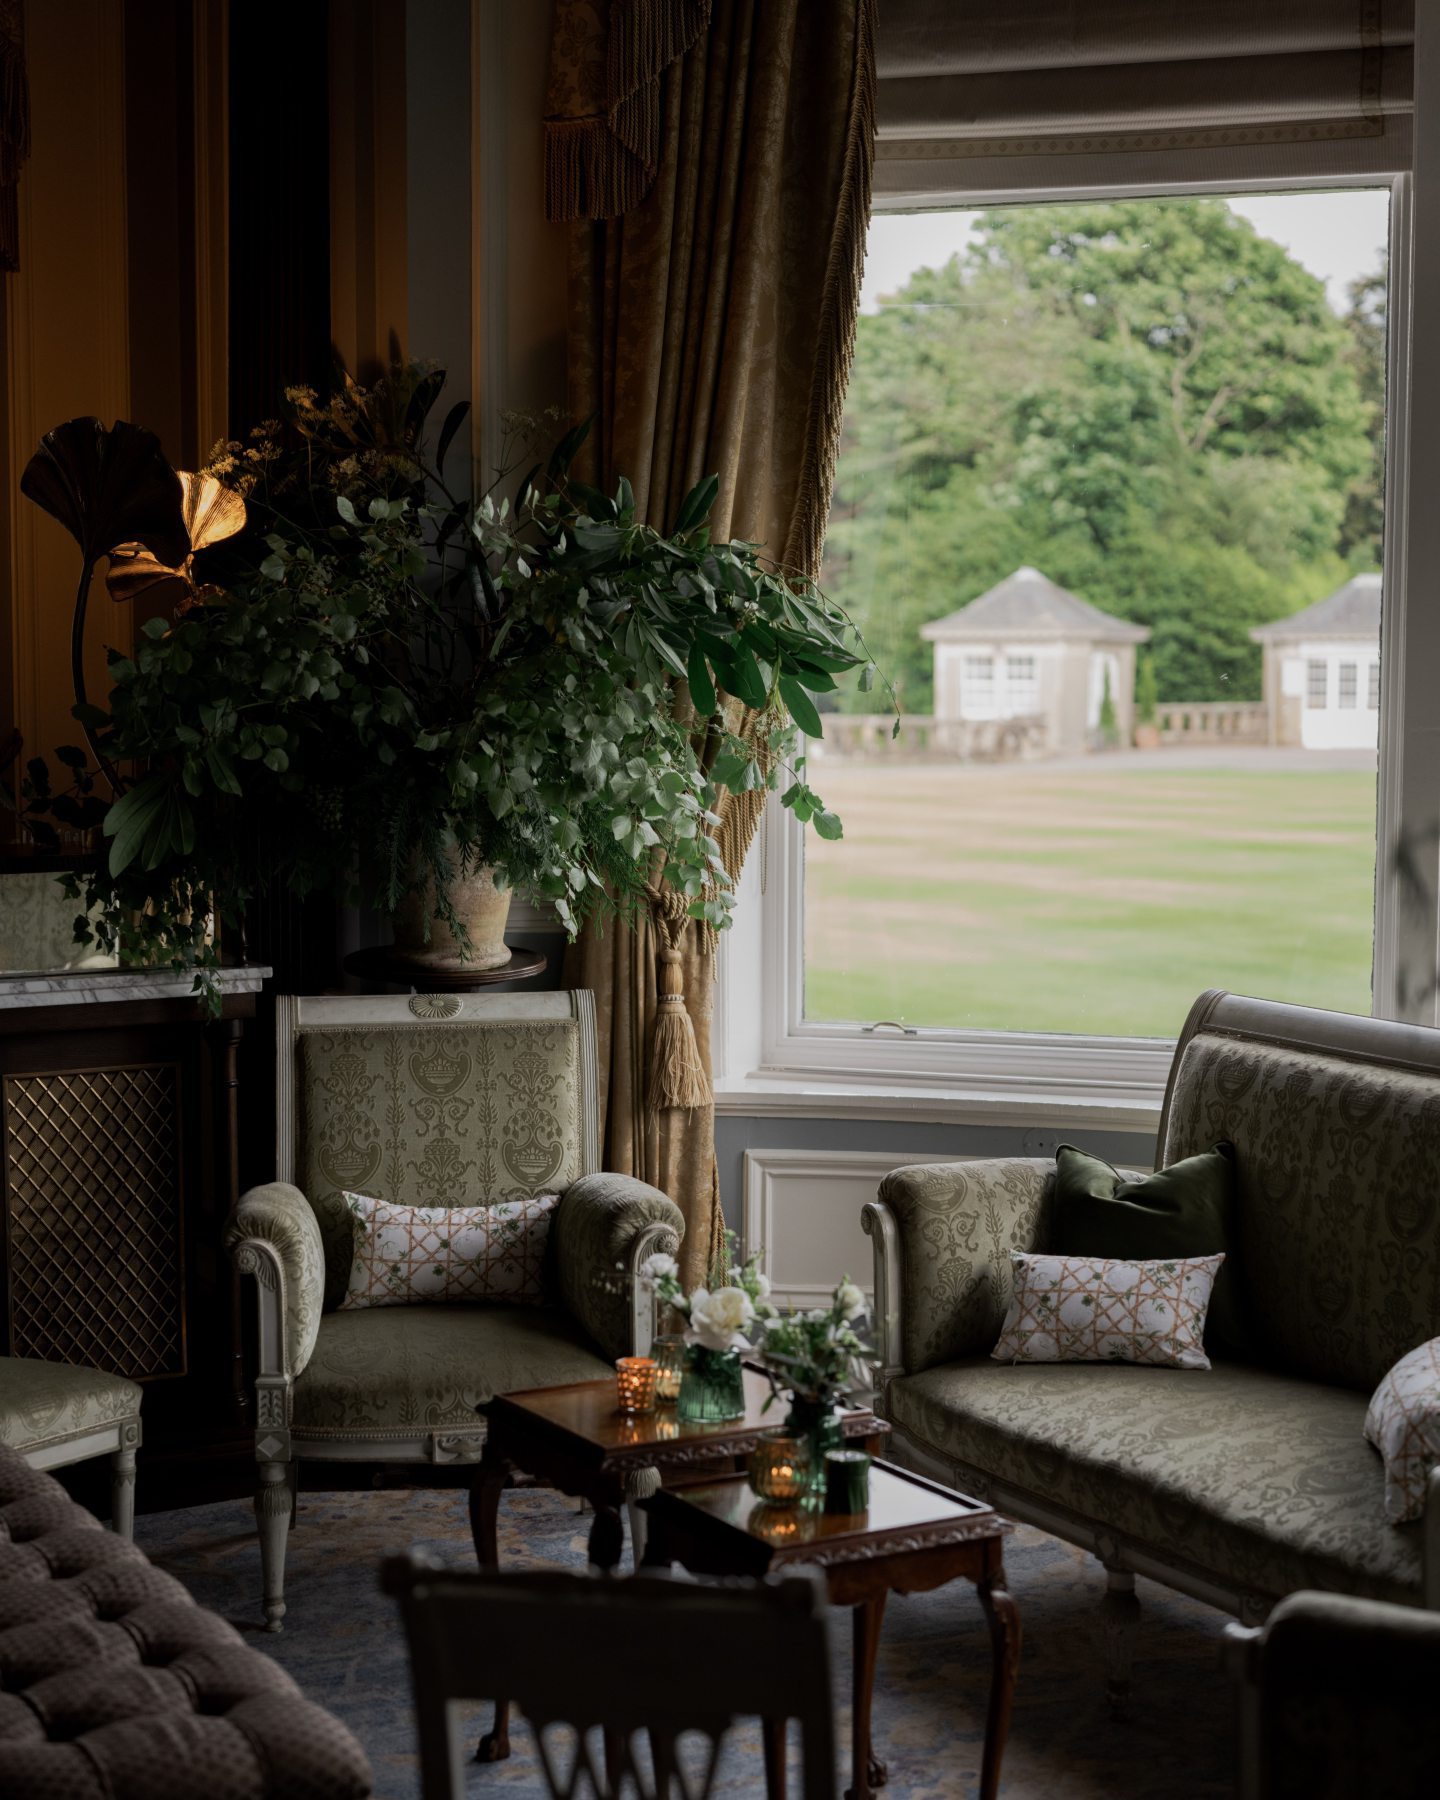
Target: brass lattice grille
[(93, 1226)]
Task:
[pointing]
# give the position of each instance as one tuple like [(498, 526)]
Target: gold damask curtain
[(711, 328)]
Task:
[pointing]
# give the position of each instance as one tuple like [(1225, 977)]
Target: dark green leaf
[(696, 505), (702, 689), (802, 707), (453, 421)]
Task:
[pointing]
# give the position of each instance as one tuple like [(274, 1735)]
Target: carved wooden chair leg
[(294, 1489), (122, 1483), (273, 1505), (640, 1484), (1120, 1611)]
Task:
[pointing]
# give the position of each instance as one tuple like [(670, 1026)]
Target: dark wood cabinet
[(119, 1158)]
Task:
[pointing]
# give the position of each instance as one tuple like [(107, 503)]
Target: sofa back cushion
[(434, 1115), (1337, 1191)]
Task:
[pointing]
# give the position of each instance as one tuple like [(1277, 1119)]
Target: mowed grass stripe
[(1030, 897)]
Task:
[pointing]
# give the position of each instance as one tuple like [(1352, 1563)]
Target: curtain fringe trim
[(599, 167)]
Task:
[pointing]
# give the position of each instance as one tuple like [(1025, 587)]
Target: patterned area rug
[(343, 1645)]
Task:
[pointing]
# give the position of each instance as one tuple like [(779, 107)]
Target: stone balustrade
[(1213, 722), (924, 738)]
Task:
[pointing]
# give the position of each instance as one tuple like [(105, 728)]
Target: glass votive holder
[(847, 1481), (669, 1354), (635, 1383), (780, 1468)]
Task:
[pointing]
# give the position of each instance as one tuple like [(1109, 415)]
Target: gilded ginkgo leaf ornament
[(212, 513)]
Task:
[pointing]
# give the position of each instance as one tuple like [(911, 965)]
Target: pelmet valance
[(982, 94)]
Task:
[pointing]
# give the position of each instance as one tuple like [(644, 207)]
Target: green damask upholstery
[(426, 1115), (594, 1225), (958, 1224), (1262, 1478), (409, 1369), (44, 1403), (1338, 1198), (281, 1215)]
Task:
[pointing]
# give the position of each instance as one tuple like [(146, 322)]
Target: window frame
[(763, 1040)]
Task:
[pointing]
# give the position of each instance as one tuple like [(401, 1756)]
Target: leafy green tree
[(1148, 400), (1365, 320)]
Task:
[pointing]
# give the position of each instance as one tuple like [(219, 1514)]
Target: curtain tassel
[(677, 1075)]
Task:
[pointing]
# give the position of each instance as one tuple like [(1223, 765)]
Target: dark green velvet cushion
[(1185, 1210)]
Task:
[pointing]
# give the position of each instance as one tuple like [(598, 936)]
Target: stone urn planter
[(428, 942), (1147, 737)]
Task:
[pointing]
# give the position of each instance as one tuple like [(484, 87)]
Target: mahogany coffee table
[(915, 1536), (577, 1438)]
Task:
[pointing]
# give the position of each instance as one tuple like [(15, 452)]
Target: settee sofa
[(1238, 1485)]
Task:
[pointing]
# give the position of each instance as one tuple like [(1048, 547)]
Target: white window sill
[(766, 1095)]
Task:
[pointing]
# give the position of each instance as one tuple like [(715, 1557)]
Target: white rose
[(717, 1320), (657, 1265), (850, 1300), (762, 1284)]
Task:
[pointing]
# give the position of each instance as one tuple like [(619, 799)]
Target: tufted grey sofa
[(1246, 1483), (115, 1685)]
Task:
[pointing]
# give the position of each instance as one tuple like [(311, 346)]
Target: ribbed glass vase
[(818, 1423), (712, 1388)]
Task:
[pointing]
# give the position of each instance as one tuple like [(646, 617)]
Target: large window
[(1139, 444)]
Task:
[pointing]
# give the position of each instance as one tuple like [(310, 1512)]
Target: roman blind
[(986, 95)]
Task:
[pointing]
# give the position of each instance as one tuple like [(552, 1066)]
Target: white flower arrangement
[(808, 1353), (715, 1319)]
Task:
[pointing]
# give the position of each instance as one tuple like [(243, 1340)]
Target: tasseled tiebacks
[(677, 1075)]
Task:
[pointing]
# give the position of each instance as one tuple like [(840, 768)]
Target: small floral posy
[(811, 1354)]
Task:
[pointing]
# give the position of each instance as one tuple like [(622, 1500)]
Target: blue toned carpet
[(343, 1644)]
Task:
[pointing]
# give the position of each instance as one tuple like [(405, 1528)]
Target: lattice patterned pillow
[(1403, 1423), (1085, 1309), (410, 1254)]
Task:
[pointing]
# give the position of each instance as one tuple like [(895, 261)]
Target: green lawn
[(1091, 897)]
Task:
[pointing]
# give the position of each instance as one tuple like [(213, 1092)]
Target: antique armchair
[(1337, 1698), (429, 1099), (55, 1414)]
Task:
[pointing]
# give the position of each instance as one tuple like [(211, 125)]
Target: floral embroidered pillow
[(1085, 1309), (407, 1255), (1403, 1423)]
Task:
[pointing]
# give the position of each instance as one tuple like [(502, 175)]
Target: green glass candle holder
[(669, 1354), (847, 1481)]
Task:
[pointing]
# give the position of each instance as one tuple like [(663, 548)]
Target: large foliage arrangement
[(376, 684)]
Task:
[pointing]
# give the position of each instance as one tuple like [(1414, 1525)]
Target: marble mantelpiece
[(90, 987)]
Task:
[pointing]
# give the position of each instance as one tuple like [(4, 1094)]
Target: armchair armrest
[(604, 1228), (943, 1233), (273, 1234)]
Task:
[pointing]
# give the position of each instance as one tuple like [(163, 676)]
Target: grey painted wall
[(735, 1135)]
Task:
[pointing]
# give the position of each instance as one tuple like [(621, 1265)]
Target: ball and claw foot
[(876, 1776), (493, 1747)]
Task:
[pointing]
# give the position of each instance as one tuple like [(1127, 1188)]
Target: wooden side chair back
[(597, 1666)]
